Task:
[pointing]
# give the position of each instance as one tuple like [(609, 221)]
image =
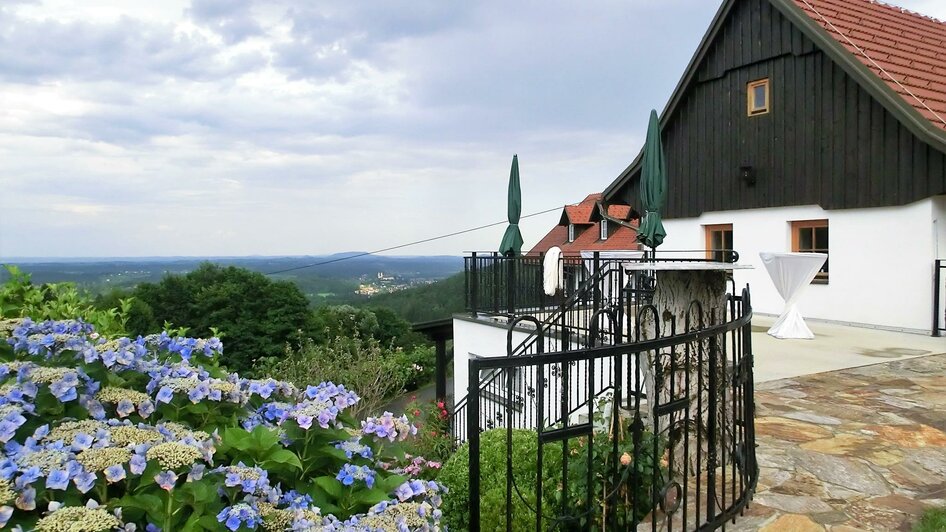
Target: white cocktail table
[(791, 273)]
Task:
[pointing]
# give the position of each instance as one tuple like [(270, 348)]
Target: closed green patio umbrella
[(512, 239), (653, 189)]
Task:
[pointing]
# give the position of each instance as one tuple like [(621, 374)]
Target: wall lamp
[(747, 174)]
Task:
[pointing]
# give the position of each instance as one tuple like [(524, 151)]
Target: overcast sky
[(276, 127)]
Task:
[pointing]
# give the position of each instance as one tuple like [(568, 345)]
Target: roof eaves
[(908, 115)]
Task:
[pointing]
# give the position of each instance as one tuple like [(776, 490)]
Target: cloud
[(128, 50), (233, 21)]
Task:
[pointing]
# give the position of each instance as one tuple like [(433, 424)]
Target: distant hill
[(326, 279), (425, 303)]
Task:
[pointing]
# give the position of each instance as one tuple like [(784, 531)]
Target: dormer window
[(571, 232), (604, 229)]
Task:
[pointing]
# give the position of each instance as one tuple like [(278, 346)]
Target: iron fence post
[(936, 284), (474, 284), (496, 279), (473, 436), (510, 284), (711, 459), (596, 297)]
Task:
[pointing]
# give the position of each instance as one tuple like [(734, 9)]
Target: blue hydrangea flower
[(137, 464), (145, 409), (196, 473), (353, 447), (124, 408), (239, 514), (57, 480), (26, 500), (82, 441), (84, 481), (350, 473), (114, 473), (165, 395), (166, 480)]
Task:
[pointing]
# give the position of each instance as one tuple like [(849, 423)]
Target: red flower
[(440, 404)]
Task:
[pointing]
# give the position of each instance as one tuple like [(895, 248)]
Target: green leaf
[(371, 497), (151, 504), (391, 483), (330, 485), (283, 456), (265, 437), (237, 438)]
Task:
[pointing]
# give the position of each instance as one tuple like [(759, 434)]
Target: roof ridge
[(906, 11), (861, 50)]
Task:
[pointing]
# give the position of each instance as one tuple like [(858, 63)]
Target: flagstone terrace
[(855, 449)]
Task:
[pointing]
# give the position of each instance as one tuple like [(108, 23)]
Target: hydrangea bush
[(152, 434)]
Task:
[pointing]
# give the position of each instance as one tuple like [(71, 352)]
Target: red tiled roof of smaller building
[(580, 214), (588, 237), (558, 236), (620, 212), (905, 49)]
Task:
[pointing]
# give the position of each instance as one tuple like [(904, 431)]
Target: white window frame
[(604, 230), (571, 232)]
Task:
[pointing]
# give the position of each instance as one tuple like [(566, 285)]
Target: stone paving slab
[(856, 449)]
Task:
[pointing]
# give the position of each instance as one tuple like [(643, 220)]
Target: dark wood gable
[(826, 140)]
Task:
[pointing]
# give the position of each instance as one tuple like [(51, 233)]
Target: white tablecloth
[(791, 273)]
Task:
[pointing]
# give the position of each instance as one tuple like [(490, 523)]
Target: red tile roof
[(905, 49), (580, 214), (589, 230)]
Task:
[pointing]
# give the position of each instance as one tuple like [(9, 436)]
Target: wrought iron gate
[(644, 427)]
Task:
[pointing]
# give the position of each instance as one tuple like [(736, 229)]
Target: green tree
[(425, 303), (256, 316)]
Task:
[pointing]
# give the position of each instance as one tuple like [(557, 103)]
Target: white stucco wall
[(485, 339), (881, 259), (470, 337)]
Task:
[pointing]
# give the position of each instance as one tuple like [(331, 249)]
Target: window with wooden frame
[(811, 236), (758, 97), (604, 229), (719, 242)]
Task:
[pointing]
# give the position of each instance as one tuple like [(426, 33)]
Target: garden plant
[(151, 433)]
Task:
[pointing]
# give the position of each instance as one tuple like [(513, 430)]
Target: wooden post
[(441, 368)]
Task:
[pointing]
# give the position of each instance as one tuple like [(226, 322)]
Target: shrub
[(562, 509), (416, 366), (361, 362), (151, 432), (434, 440), (455, 476), (20, 298)]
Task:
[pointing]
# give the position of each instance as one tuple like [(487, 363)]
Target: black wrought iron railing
[(672, 449), (939, 308), (590, 285), (496, 284), (568, 324)]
